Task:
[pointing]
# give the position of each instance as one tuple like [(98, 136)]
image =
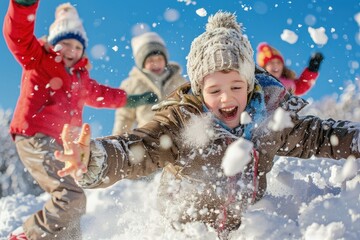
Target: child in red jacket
[(272, 61), (55, 87)]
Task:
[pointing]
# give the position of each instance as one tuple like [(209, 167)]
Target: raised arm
[(310, 74), (18, 31)]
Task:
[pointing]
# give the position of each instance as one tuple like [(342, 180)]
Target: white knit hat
[(67, 25), (221, 47), (146, 44)]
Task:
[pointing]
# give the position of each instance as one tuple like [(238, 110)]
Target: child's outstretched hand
[(76, 152)]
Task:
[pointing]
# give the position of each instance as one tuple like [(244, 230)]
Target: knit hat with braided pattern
[(221, 47)]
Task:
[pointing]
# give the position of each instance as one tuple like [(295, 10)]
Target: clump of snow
[(201, 12), (237, 156), (115, 48), (334, 140), (136, 154), (318, 35), (165, 141), (245, 118), (198, 131), (280, 120), (31, 17), (289, 36)]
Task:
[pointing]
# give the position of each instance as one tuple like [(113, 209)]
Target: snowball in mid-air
[(280, 120), (201, 12), (289, 36), (245, 118), (198, 131), (237, 156), (165, 141), (318, 35)]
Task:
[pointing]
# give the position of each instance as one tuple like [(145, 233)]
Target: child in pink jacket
[(272, 61), (55, 87)]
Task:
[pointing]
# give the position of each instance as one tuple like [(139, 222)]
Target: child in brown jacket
[(228, 104)]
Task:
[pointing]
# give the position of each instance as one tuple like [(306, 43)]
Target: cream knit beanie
[(221, 47), (67, 25), (145, 44)]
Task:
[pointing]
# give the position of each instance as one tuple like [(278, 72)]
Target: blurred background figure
[(272, 61), (152, 73)]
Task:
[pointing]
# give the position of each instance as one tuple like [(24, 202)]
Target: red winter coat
[(50, 94), (301, 85)]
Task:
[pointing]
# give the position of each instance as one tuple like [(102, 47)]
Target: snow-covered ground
[(306, 199)]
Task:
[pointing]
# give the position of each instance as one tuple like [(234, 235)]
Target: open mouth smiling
[(228, 112)]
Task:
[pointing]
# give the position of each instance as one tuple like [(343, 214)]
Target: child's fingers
[(75, 170), (64, 157), (66, 171), (66, 137), (85, 135)]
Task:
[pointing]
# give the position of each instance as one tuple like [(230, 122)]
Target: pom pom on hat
[(221, 47), (67, 25), (265, 53), (146, 44)]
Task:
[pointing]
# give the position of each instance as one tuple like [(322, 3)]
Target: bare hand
[(76, 152)]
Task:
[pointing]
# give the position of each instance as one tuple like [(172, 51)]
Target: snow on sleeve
[(318, 35), (289, 36), (237, 156)]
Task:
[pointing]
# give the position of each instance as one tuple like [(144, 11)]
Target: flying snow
[(289, 36), (280, 120), (237, 156), (115, 48), (31, 17), (245, 118), (136, 154), (318, 35), (165, 141), (198, 131), (201, 12)]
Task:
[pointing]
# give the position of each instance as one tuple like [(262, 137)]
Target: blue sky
[(111, 24)]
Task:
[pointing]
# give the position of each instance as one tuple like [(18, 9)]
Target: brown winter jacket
[(193, 185)]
